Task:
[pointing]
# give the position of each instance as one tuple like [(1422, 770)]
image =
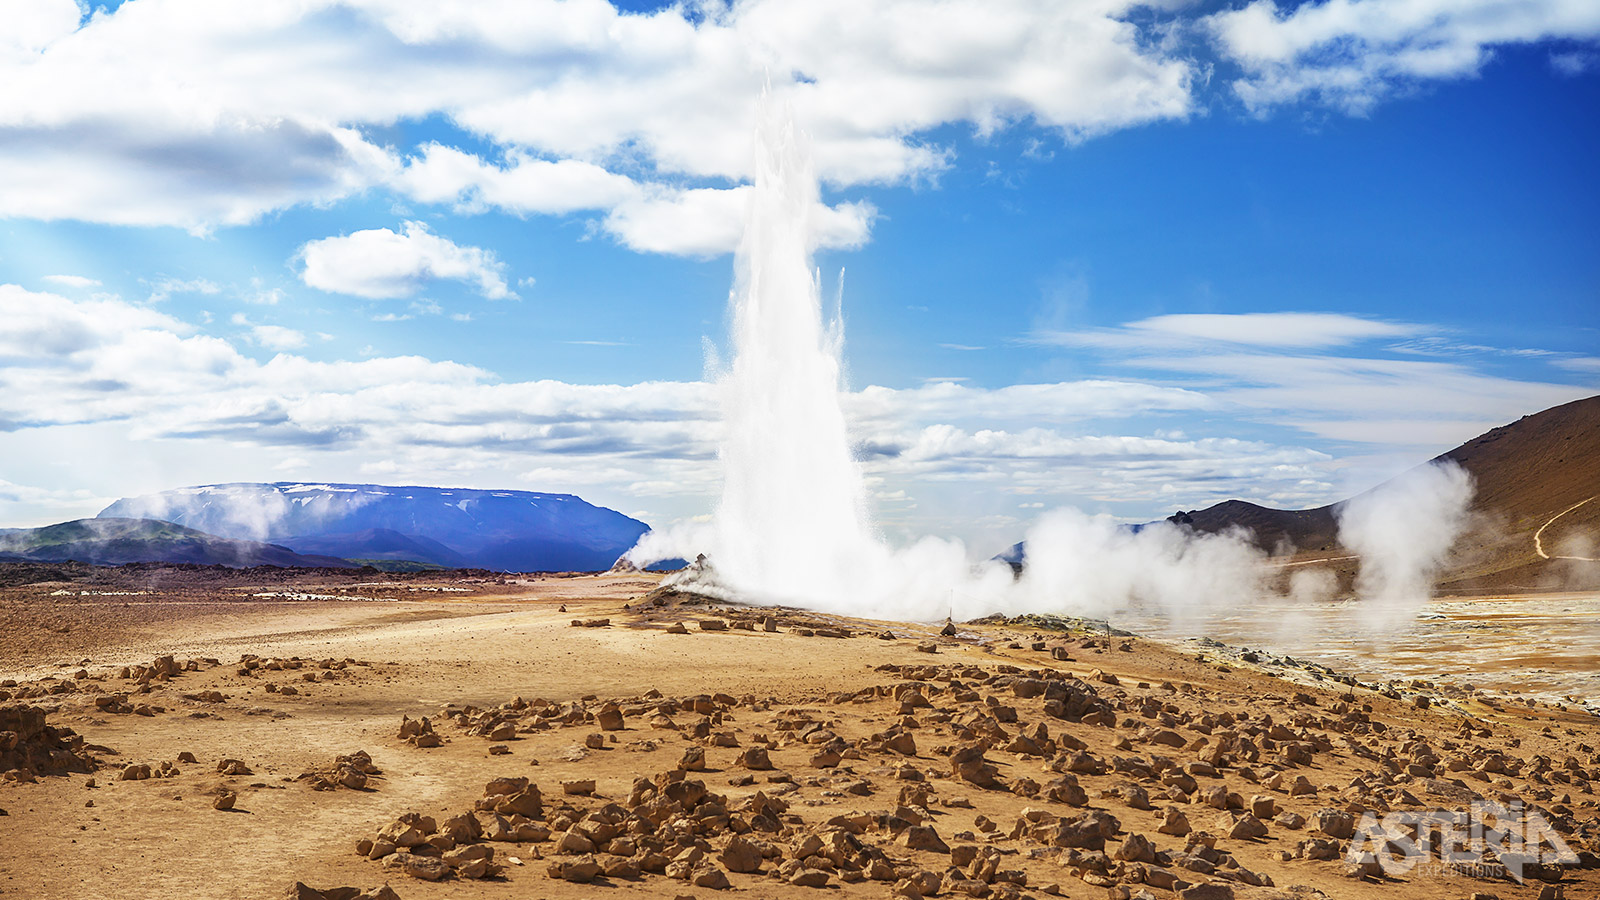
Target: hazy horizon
[(1222, 250)]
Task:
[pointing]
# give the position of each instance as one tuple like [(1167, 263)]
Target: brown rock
[(574, 842), (609, 718), (967, 762), (825, 759), (579, 871), (740, 856), (1089, 831), (1263, 807), (233, 767), (694, 760), (1211, 890), (410, 830), (224, 800), (426, 868), (811, 878), (923, 837), (1335, 823), (710, 877), (1246, 828), (1136, 848), (462, 829), (1361, 868)]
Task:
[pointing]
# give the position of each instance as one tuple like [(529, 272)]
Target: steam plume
[(792, 524), (1403, 530)]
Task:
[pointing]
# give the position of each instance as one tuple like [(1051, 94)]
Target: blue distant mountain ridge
[(512, 531)]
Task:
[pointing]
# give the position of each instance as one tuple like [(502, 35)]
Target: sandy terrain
[(986, 768)]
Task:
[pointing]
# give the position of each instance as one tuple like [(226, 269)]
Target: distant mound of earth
[(119, 541), (1534, 523), (516, 531), (1539, 475)]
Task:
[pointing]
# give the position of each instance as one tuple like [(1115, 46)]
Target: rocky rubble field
[(655, 745)]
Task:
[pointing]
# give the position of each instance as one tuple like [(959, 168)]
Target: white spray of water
[(792, 525), (792, 495), (1403, 530)]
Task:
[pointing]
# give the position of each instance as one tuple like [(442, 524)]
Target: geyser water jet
[(793, 526), (793, 509)]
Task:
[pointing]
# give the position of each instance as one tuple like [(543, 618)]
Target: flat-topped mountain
[(520, 531)]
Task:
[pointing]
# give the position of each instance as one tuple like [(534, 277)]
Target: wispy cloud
[(1291, 330), (82, 363), (272, 337), (1333, 376), (1351, 54), (71, 281), (163, 288)]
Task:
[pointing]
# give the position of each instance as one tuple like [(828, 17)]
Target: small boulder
[(923, 837)]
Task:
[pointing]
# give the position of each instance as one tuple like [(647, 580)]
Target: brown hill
[(1275, 530), (1539, 472)]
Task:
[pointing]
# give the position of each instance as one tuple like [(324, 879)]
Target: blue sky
[(1126, 258)]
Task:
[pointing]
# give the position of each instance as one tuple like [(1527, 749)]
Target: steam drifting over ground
[(1403, 531), (792, 525)]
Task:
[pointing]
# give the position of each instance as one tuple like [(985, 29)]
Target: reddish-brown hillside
[(1533, 474), (1539, 472)]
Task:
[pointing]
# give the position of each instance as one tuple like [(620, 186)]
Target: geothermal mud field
[(1542, 645), (595, 736)]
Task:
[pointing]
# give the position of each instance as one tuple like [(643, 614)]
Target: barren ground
[(1173, 727)]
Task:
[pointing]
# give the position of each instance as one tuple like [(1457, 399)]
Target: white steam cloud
[(792, 526), (1403, 531)]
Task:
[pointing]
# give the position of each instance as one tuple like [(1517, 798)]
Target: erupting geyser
[(792, 525), (793, 505)]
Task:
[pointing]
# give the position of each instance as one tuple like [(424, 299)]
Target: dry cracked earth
[(593, 737)]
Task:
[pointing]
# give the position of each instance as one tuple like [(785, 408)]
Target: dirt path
[(1312, 562), (1538, 536)]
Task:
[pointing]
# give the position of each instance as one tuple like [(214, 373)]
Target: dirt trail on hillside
[(1538, 536)]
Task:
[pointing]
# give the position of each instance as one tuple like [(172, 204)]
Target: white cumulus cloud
[(210, 113), (379, 263), (1353, 53)]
